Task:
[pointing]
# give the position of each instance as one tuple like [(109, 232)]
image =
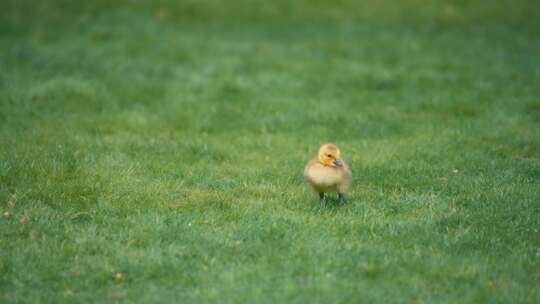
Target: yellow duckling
[(327, 172)]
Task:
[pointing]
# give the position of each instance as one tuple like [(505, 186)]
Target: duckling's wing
[(309, 177), (346, 179)]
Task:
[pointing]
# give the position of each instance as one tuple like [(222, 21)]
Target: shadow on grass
[(331, 203)]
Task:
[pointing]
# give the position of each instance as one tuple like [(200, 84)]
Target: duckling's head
[(329, 155)]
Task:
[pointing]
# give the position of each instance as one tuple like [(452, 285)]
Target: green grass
[(165, 141)]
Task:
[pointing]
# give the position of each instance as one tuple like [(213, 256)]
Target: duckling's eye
[(328, 155)]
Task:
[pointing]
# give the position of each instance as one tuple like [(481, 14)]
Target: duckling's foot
[(321, 197), (341, 199)]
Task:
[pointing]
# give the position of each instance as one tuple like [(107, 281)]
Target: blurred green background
[(152, 151)]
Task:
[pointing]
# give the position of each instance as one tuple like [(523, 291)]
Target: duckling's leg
[(321, 197), (341, 199)]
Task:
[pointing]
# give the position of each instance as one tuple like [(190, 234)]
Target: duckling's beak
[(338, 162)]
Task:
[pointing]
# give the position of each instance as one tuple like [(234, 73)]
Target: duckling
[(327, 172)]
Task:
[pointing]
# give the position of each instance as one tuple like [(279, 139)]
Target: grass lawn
[(152, 151)]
